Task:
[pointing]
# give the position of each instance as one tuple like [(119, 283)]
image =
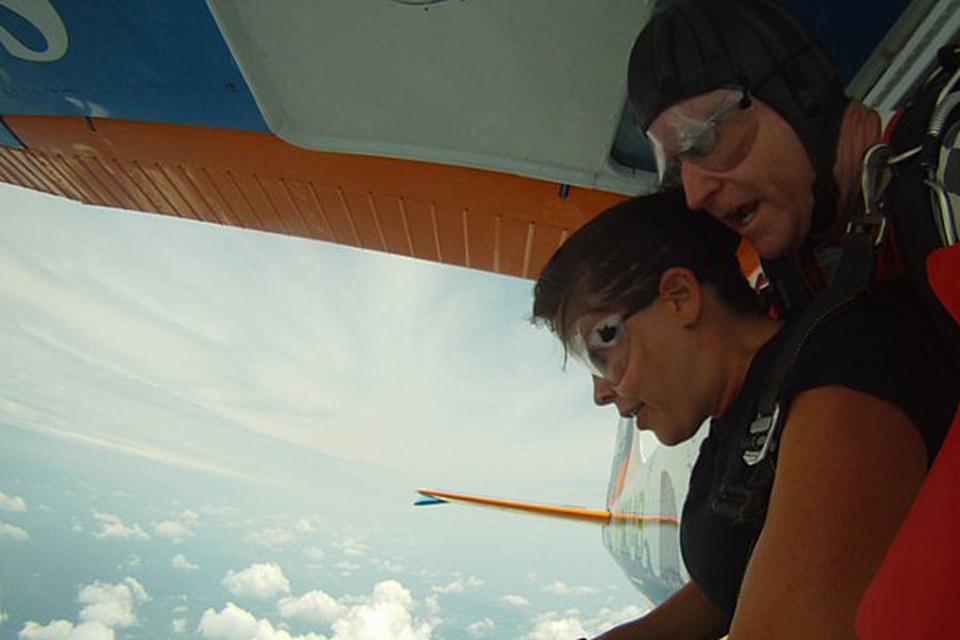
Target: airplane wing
[(557, 511), (457, 132), (640, 524)]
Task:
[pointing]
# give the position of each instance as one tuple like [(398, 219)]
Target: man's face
[(740, 161), (642, 364)]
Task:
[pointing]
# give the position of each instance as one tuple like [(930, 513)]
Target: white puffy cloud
[(389, 613), (111, 604), (172, 529), (13, 531), (551, 626), (271, 538), (459, 585), (178, 528), (105, 606), (386, 614), (388, 565), (258, 581), (570, 624), (179, 626), (481, 628), (514, 600), (353, 547), (11, 503), (65, 630), (316, 553), (220, 513), (606, 617), (307, 526), (113, 527), (313, 606), (562, 589), (180, 561), (234, 623), (346, 567)]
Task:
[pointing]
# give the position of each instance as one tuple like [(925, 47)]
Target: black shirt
[(868, 347)]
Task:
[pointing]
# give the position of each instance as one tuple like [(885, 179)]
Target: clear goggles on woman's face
[(602, 344), (714, 131)]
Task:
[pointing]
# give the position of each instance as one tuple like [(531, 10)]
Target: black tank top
[(871, 348)]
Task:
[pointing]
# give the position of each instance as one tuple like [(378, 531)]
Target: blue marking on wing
[(151, 61)]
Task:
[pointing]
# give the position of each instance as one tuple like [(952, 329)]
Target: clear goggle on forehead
[(715, 132), (602, 345)]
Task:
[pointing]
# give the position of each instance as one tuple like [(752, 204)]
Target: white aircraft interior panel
[(534, 88)]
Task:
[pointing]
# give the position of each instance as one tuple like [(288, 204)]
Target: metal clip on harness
[(873, 181), (948, 101)]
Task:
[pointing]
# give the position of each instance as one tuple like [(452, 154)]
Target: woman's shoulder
[(884, 351), (873, 338)]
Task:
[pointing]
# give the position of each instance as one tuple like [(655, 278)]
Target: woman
[(650, 296)]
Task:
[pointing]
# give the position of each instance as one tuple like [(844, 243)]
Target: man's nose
[(699, 185), (603, 392)]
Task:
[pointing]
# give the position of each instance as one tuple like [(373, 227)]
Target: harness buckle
[(873, 224), (873, 182), (758, 441)]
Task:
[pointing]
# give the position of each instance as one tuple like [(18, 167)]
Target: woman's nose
[(603, 392)]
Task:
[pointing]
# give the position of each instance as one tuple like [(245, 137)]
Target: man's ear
[(681, 291)]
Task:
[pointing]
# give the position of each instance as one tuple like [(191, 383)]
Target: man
[(747, 113), (649, 295), (745, 110)]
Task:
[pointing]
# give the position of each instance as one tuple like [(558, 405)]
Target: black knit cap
[(696, 46)]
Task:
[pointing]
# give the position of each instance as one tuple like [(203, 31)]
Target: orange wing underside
[(569, 513), (468, 217), (454, 215)]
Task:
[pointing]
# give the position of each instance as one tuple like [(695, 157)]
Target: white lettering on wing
[(42, 15)]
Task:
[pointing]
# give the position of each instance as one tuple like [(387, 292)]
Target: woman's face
[(645, 364)]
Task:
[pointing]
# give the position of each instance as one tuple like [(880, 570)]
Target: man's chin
[(771, 246)]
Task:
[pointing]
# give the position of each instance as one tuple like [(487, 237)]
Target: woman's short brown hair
[(617, 259)]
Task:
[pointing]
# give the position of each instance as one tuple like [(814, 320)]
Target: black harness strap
[(746, 503), (786, 288)]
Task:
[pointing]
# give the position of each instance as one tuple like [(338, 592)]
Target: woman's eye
[(606, 332)]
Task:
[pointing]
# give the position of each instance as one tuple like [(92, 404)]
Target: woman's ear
[(680, 290)]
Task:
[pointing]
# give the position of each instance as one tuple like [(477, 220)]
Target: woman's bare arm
[(686, 614), (849, 466)]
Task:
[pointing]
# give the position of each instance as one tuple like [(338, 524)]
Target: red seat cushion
[(916, 592)]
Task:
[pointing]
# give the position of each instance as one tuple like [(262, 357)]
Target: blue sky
[(210, 432)]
